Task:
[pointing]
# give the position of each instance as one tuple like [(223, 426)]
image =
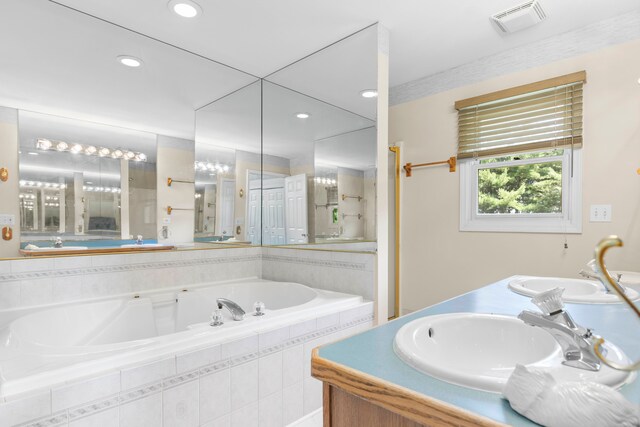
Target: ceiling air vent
[(520, 17)]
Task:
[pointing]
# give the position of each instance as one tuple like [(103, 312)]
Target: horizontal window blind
[(538, 116)]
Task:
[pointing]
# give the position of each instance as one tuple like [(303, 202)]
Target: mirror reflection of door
[(227, 207), (296, 217)]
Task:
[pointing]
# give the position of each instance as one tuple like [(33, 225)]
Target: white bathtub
[(44, 346)]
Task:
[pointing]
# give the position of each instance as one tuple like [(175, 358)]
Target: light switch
[(6, 219), (600, 213)]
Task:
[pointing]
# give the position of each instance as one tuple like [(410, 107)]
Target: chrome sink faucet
[(590, 273), (236, 311), (57, 243), (576, 341)]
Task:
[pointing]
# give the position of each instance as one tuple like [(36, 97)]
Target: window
[(520, 158)]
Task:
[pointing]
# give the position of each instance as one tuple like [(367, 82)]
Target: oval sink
[(575, 290), (481, 351)]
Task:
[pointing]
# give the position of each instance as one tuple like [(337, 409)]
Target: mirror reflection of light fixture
[(39, 184), (89, 150), (303, 115), (211, 167)]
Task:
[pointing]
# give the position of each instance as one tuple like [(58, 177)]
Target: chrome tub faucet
[(236, 311), (576, 341)]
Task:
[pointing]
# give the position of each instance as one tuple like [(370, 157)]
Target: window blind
[(541, 115)]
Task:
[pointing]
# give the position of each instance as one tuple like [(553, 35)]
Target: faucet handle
[(216, 318), (259, 308), (549, 302)]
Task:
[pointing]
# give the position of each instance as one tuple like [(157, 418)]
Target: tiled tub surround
[(28, 282), (349, 272), (254, 372)]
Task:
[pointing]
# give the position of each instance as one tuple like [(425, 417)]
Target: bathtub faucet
[(236, 311), (575, 341)]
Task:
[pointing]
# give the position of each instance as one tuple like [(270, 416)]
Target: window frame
[(569, 221)]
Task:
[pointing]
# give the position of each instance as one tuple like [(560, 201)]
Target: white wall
[(10, 189), (439, 261), (175, 159)]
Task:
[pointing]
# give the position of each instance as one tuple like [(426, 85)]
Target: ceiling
[(426, 36)]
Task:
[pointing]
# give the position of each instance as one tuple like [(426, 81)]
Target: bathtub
[(49, 345)]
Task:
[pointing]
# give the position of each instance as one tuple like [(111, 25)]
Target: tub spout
[(236, 311)]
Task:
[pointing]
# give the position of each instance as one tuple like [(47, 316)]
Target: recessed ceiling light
[(32, 153), (185, 8), (369, 93), (303, 115), (130, 61)]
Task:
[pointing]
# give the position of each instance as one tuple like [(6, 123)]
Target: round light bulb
[(369, 93), (303, 115), (130, 61)]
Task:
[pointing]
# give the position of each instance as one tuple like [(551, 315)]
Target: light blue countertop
[(371, 352)]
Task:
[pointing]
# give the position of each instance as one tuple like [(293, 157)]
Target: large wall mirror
[(134, 137), (91, 111), (320, 124)]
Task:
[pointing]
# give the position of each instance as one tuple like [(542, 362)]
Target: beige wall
[(439, 262), (10, 189), (175, 159)]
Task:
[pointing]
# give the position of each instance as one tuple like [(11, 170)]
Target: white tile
[(240, 347), (292, 403), (149, 373), (219, 422), (85, 391), (198, 358), (215, 395), (180, 405), (270, 374), (302, 328), (328, 321), (9, 294), (108, 418), (306, 355), (71, 262), (270, 410), (312, 390), (67, 288), (274, 337), (142, 412), (28, 265), (36, 291), (25, 409), (356, 313), (244, 384), (5, 267), (245, 417), (292, 365)]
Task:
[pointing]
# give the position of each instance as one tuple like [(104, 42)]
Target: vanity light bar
[(325, 181), (206, 166), (40, 184), (89, 150), (102, 189)]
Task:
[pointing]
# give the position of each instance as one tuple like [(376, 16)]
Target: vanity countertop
[(368, 358)]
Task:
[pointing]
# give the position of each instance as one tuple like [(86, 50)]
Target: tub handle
[(216, 318), (259, 308)]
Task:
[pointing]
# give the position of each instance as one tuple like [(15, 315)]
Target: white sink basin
[(480, 351), (575, 290), (62, 249)]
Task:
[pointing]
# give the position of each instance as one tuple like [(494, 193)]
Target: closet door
[(296, 209)]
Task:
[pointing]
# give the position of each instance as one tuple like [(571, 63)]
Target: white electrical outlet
[(600, 213)]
